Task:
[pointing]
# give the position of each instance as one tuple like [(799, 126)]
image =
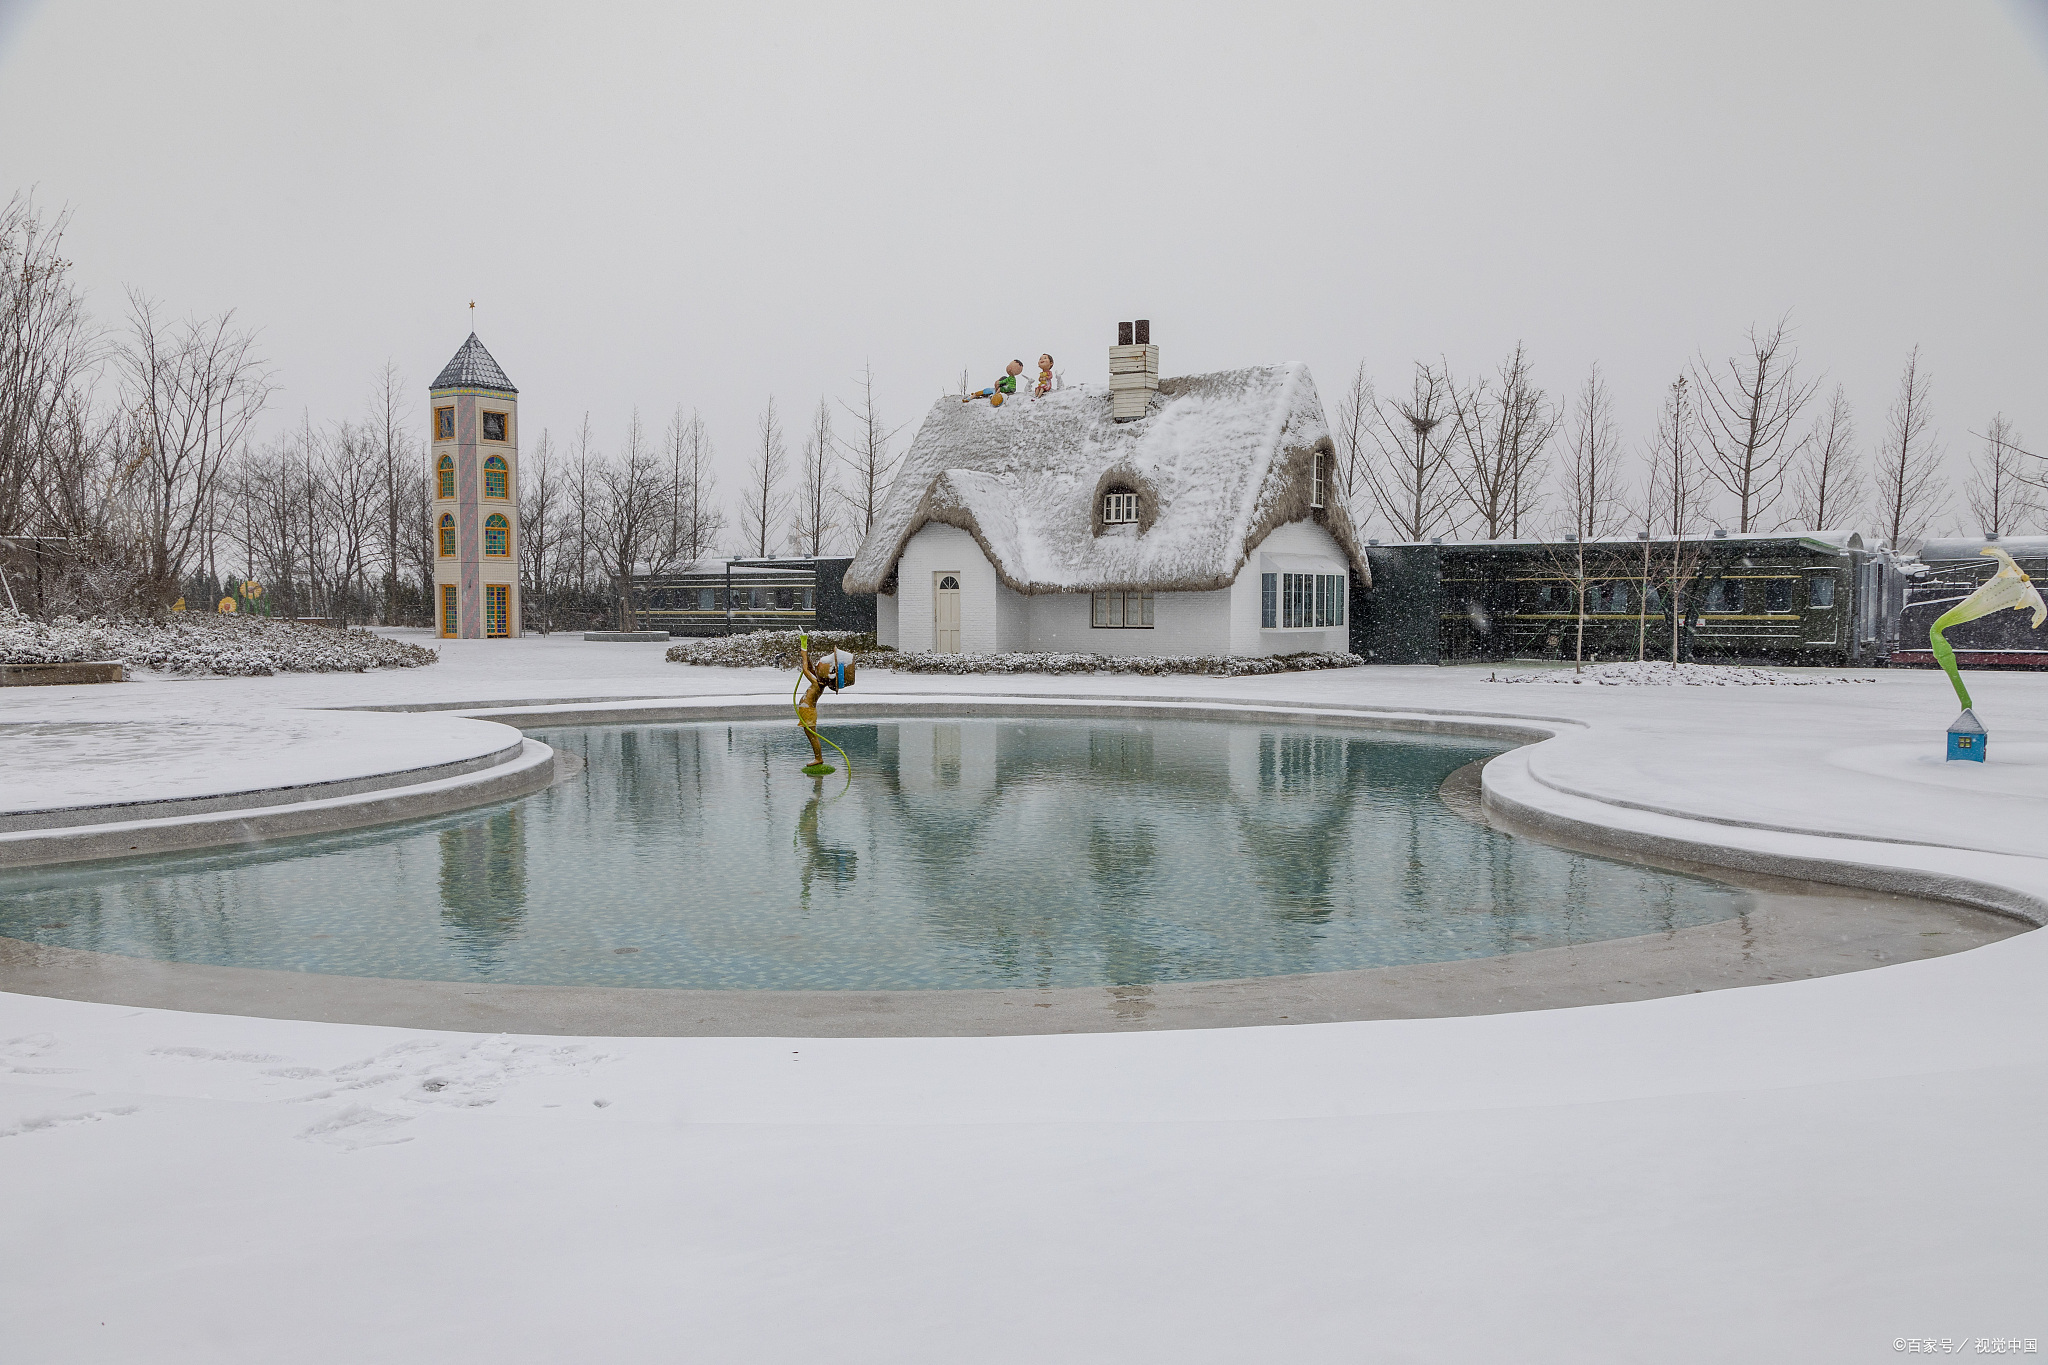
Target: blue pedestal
[(1966, 738)]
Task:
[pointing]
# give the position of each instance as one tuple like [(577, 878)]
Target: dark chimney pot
[(1144, 337), (1123, 334)]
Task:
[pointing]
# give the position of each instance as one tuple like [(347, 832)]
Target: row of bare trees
[(1750, 440), (130, 477)]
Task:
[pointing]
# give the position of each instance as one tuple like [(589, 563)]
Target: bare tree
[(1591, 492), (1828, 485), (1749, 416), (388, 407), (703, 521), (1675, 503), (867, 455), (634, 499), (540, 511), (1351, 432), (1907, 470), (1411, 483), (761, 514), (193, 389), (2000, 492), (583, 503), (816, 497), (1501, 431), (48, 348)]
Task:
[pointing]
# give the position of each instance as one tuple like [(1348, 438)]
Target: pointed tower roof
[(473, 368)]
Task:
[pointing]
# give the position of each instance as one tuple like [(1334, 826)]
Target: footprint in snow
[(22, 1056), (42, 1122)]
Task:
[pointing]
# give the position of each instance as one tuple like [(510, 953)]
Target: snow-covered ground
[(1807, 1171)]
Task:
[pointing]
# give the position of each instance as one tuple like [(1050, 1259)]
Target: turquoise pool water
[(970, 853)]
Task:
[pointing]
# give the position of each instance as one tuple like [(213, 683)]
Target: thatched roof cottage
[(1206, 521)]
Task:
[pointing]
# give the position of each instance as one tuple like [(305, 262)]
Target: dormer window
[(1316, 490), (1119, 507)]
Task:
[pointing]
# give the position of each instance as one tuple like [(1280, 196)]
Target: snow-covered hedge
[(1633, 674), (1216, 665), (777, 649), (200, 642), (767, 648)]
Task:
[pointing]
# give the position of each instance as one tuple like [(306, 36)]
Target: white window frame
[(1303, 601), (1120, 508), (1315, 481)]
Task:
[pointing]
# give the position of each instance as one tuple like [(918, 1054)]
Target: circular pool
[(968, 854)]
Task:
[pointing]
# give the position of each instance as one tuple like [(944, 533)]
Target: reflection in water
[(965, 853), (836, 862), (483, 884)]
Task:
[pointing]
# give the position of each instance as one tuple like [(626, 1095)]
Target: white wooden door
[(946, 613)]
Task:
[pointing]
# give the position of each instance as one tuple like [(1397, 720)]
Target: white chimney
[(1133, 370)]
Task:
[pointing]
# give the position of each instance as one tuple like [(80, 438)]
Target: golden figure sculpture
[(832, 669)]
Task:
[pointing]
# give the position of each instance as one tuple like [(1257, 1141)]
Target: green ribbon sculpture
[(2008, 589)]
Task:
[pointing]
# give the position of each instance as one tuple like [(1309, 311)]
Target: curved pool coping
[(2011, 887), (517, 770)]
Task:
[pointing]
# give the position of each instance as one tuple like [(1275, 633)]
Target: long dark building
[(1821, 598), (1954, 570), (733, 596)]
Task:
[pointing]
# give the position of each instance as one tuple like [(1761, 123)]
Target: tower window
[(497, 478), (444, 476), (497, 536), (1119, 507), (447, 535), (444, 424), (494, 426)]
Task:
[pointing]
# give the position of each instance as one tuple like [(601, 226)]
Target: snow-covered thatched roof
[(1218, 461)]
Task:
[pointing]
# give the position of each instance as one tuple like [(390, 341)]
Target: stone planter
[(45, 675)]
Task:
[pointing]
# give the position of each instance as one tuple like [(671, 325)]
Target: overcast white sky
[(709, 204)]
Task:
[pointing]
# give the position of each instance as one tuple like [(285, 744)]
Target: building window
[(497, 536), (1820, 591), (1301, 601), (494, 426), (1777, 594), (1315, 480), (1119, 507), (1123, 611), (497, 610), (444, 424), (444, 476), (497, 478), (705, 599), (449, 617), (447, 535), (1725, 597)]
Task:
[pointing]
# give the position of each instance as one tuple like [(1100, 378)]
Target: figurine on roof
[(996, 392), (1044, 385)]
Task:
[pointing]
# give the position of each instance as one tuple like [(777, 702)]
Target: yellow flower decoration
[(2007, 590), (252, 589), (227, 606), (178, 605)]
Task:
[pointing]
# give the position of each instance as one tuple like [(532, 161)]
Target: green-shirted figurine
[(1002, 388)]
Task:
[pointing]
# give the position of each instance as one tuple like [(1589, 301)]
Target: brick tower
[(473, 480)]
